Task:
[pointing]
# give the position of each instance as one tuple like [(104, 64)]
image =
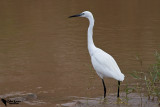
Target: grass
[(148, 81)]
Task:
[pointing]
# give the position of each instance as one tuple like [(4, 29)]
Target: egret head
[(86, 14)]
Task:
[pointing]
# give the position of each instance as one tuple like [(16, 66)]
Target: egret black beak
[(77, 15)]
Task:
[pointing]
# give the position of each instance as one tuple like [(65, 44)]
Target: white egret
[(103, 63)]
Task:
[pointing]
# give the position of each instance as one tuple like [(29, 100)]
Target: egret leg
[(118, 88), (104, 88)]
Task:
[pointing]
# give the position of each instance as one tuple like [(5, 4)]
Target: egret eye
[(82, 13)]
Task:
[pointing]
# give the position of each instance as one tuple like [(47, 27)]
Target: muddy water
[(45, 53)]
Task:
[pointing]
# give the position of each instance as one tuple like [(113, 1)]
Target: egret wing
[(105, 65)]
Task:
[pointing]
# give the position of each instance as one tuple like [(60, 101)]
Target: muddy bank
[(134, 100), (20, 98), (24, 99)]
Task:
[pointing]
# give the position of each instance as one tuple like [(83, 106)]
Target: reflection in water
[(41, 47)]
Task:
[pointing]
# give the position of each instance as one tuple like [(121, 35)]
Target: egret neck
[(91, 46)]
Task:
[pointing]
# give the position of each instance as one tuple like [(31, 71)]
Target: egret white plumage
[(103, 63)]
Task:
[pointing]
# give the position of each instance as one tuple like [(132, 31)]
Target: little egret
[(103, 63)]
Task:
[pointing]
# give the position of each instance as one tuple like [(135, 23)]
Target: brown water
[(45, 53)]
